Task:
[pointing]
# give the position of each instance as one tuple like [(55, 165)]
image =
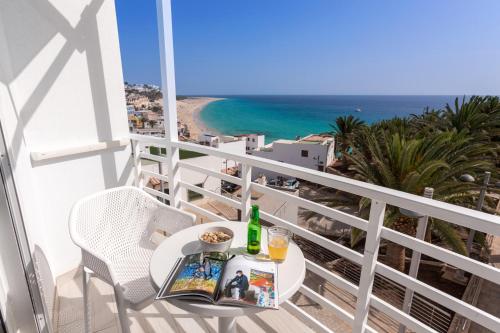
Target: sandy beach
[(188, 112)]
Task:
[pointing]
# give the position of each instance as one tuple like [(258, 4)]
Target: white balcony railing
[(375, 232)]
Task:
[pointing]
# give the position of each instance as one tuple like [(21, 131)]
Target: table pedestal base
[(227, 325)]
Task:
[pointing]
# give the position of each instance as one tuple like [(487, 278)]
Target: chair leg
[(86, 303), (122, 311)]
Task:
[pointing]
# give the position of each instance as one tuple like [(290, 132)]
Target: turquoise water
[(290, 116)]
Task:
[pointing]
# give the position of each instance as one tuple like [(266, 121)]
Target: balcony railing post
[(246, 192), (162, 186), (415, 258), (165, 37), (372, 244), (136, 152)]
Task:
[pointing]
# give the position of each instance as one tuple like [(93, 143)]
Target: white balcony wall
[(234, 147), (61, 86)]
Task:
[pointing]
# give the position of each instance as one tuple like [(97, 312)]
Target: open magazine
[(211, 277)]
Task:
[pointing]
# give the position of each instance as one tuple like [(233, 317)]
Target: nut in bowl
[(216, 239)]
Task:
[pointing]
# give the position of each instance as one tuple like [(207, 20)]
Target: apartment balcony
[(334, 295), (341, 284), (53, 155)]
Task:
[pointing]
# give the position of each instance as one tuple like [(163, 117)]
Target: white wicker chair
[(113, 228)]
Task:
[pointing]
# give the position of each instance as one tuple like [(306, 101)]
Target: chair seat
[(132, 273)]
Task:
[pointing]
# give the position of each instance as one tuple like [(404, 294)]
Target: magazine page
[(248, 282), (196, 275)]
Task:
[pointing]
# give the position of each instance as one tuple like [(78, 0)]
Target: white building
[(231, 144), (226, 143), (208, 139), (313, 151), (160, 122), (253, 141)]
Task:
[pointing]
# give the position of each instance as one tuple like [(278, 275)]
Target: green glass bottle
[(254, 231)]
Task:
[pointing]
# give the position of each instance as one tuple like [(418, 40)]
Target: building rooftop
[(285, 141), (248, 134), (316, 138)]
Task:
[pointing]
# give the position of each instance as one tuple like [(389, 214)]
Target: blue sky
[(319, 46)]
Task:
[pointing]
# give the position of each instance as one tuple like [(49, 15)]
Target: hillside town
[(144, 109)]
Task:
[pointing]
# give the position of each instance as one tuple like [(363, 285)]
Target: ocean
[(286, 117)]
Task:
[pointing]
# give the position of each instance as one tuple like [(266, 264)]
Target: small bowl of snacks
[(216, 239)]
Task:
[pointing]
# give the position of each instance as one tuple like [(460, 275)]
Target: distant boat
[(358, 110)]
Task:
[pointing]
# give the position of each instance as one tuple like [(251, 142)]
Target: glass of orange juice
[(277, 243)]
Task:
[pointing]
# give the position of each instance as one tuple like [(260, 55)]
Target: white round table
[(291, 272)]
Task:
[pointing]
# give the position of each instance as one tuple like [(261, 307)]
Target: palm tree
[(343, 130), (478, 116), (430, 121), (411, 164)]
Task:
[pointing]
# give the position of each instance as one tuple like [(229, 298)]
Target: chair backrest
[(115, 221)]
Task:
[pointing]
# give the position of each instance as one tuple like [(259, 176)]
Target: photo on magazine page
[(198, 274), (249, 283)]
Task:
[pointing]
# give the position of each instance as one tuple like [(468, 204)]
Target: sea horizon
[(289, 116)]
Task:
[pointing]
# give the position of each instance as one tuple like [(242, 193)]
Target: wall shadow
[(27, 27), (42, 19)]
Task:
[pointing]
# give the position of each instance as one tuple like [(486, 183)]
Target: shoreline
[(188, 113)]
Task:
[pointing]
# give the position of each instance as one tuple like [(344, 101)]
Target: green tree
[(479, 116), (344, 129), (472, 116), (411, 164)]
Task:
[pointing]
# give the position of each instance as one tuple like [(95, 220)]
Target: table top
[(291, 272)]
